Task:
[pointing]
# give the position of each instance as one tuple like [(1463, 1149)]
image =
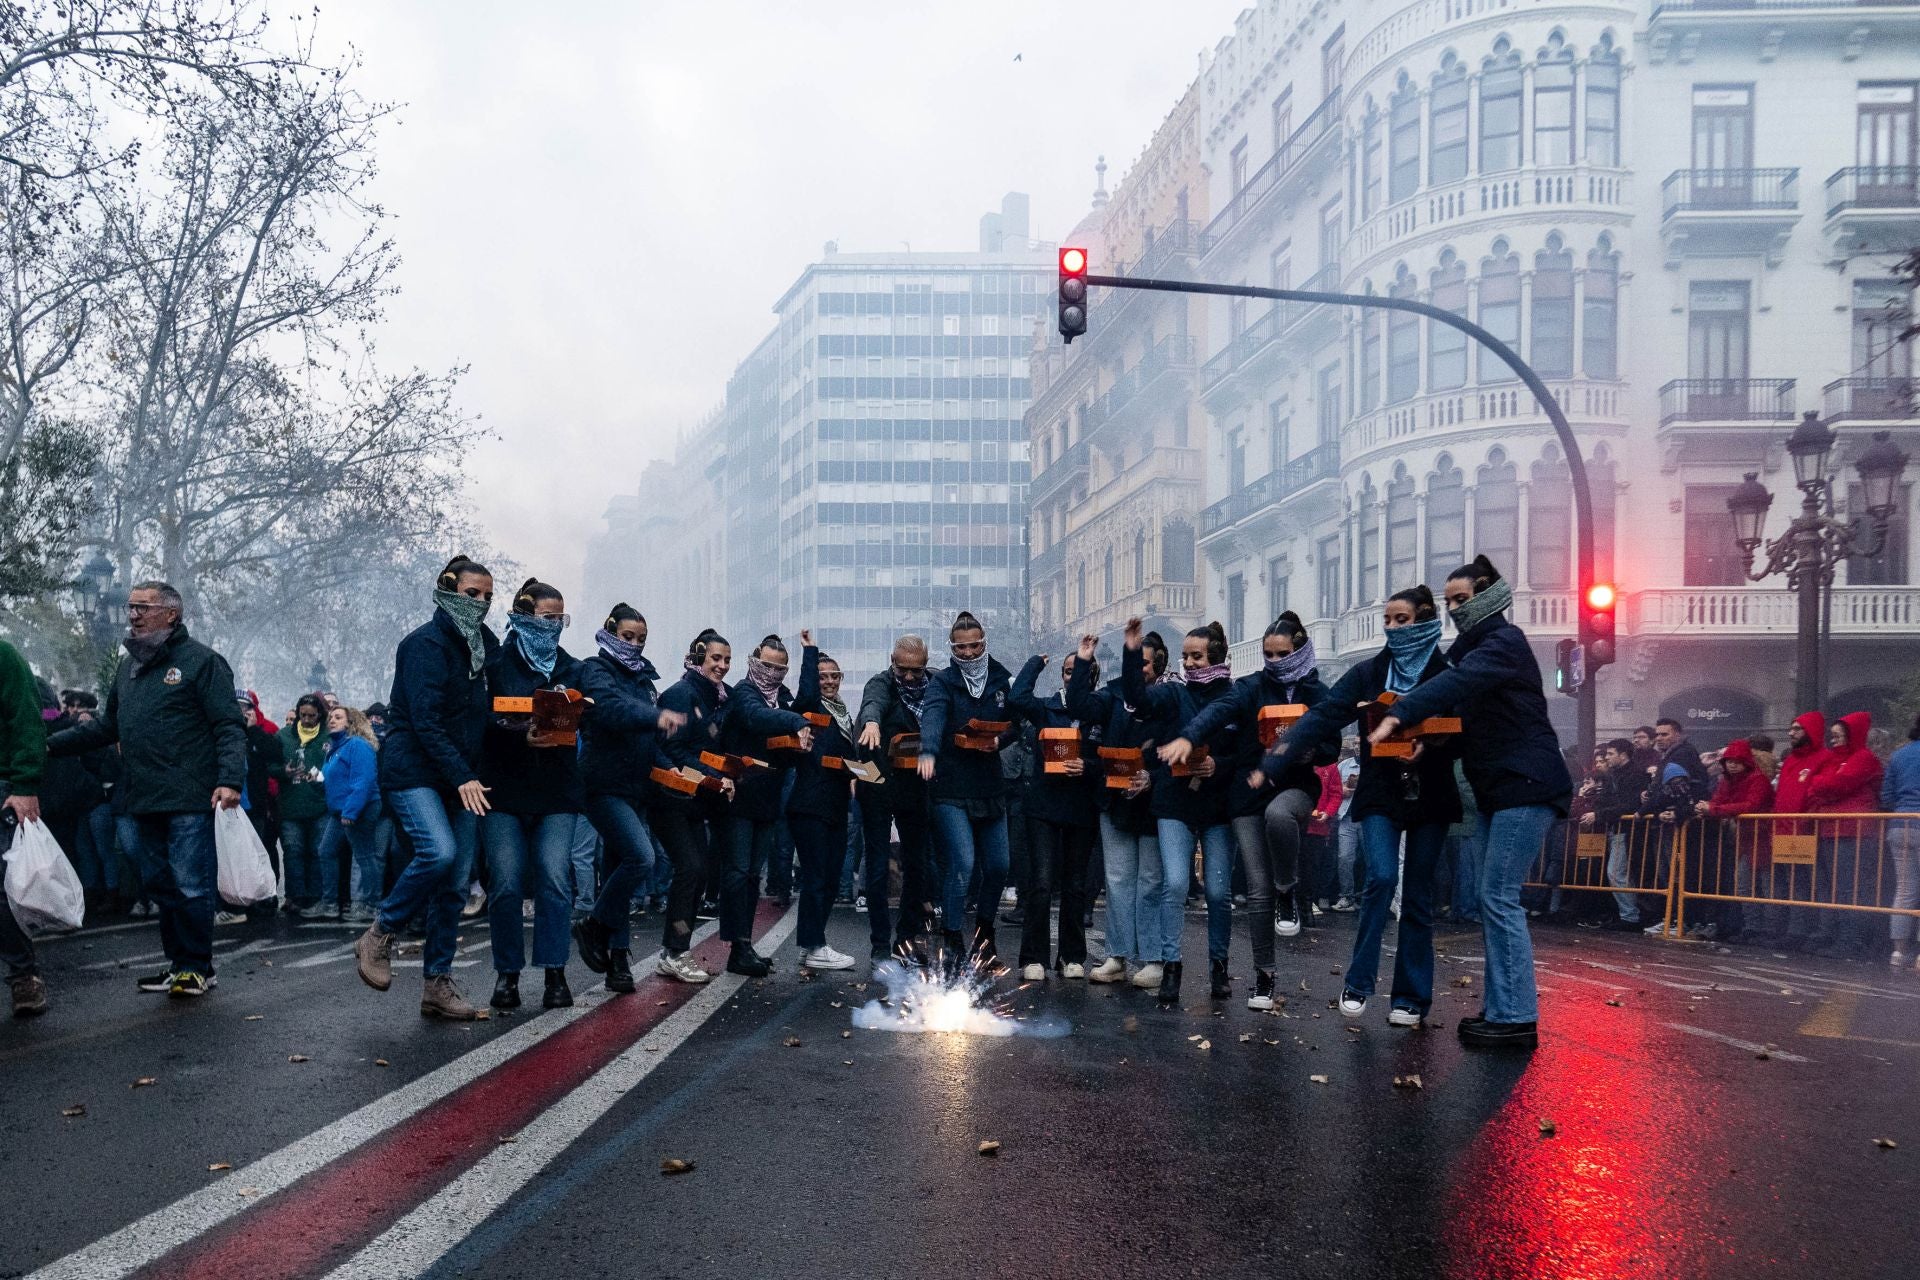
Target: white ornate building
[(1683, 215)]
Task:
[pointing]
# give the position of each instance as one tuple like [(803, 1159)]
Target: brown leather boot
[(441, 999), (373, 951), (29, 995)]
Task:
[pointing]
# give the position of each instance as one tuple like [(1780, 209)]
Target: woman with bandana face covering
[(536, 794), (1268, 814), (430, 781), (1520, 783), (620, 743), (758, 710), (1395, 798), (968, 793), (818, 807), (891, 706)]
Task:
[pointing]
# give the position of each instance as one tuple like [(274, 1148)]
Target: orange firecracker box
[(904, 751), (1057, 747), (556, 715), (818, 719), (730, 766), (1191, 768), (1121, 764), (685, 782), (1276, 720), (786, 742), (981, 735), (1400, 745)]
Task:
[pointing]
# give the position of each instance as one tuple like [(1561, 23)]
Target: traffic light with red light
[(1073, 293), (1597, 625)]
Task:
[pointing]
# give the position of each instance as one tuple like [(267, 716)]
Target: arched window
[(1496, 511), (1403, 141), (1602, 117), (1367, 503), (1600, 313), (1601, 483), (1447, 346), (1551, 348), (1553, 103), (1446, 521), (1402, 531), (1139, 559), (1107, 579), (1373, 169), (1368, 393), (1080, 587), (1500, 87), (1447, 124), (1403, 342), (1499, 308), (1550, 523), (1176, 552)]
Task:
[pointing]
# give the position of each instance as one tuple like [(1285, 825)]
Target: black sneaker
[(1500, 1035), (747, 962), (1221, 987), (1262, 997), (506, 991), (559, 995), (1286, 913), (593, 939), (156, 983), (1170, 983), (619, 975)]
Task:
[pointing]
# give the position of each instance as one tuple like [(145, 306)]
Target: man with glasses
[(890, 709), (183, 747)]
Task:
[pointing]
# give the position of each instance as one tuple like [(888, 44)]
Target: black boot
[(953, 949), (592, 938), (747, 962), (1170, 983), (1500, 1035), (1221, 987), (986, 951), (619, 974), (506, 991), (560, 996)]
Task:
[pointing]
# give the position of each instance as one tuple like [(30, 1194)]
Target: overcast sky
[(599, 203)]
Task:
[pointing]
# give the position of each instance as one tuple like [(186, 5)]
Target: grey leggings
[(1270, 858)]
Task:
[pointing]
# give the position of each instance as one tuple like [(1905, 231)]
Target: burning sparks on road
[(925, 998)]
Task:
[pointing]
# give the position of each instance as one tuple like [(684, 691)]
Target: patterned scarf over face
[(1412, 646), (765, 677), (1497, 598), (467, 614), (974, 672), (625, 652), (1291, 669), (537, 639)]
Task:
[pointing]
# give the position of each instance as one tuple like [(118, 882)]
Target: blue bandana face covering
[(1412, 647), (538, 639)]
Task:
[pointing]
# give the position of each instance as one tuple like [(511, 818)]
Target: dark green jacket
[(302, 800), (179, 729), (23, 734)]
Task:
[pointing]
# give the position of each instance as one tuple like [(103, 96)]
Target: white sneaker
[(1656, 930), (237, 917), (860, 904), (476, 903), (825, 958), (1073, 971), (1897, 959), (1352, 1006), (1403, 1018), (681, 967), (1009, 897), (1034, 973), (1148, 978), (1112, 969), (526, 909)]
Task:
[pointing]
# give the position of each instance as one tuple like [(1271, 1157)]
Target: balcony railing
[(1277, 322), (1763, 6), (1319, 463), (1727, 400), (1730, 191), (1172, 354), (1051, 563), (1763, 611), (1875, 399), (1873, 186), (1060, 472), (1323, 123)]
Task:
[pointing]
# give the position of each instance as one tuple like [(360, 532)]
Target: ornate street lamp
[(1809, 446), (317, 676), (1749, 505)]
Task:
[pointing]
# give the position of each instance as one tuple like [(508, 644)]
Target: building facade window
[(1499, 308), (1367, 513), (1447, 123), (1367, 394), (1236, 607), (1139, 559), (1107, 579), (1603, 109), (1717, 343), (1327, 558), (1708, 556), (1550, 350), (1276, 586), (1882, 311), (1283, 118), (1403, 143), (1446, 520), (1236, 460), (1333, 56), (1403, 343), (1237, 166), (1550, 524), (1327, 405), (1403, 533), (1500, 88), (1600, 314), (1885, 141), (1447, 346), (1553, 105), (1372, 163), (1176, 552), (1279, 433), (1496, 510)]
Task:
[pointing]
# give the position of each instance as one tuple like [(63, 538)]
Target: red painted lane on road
[(325, 1218)]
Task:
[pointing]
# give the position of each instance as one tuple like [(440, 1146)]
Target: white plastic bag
[(41, 885), (245, 871)]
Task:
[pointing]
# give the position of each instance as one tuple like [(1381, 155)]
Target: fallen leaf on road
[(1246, 1037), (1464, 980), (837, 1005), (221, 1167), (1408, 1082), (248, 1191), (859, 986), (791, 1042), (672, 1165), (1762, 1054), (989, 1148), (1353, 1028), (1130, 1024), (1335, 972), (1191, 1039), (846, 1062), (381, 1062), (846, 1035), (254, 1017), (1303, 984), (76, 1110), (1885, 1144), (1613, 1004), (1547, 1127), (1204, 1044), (1317, 1079), (1266, 1041), (297, 1057), (506, 1138), (144, 1081)]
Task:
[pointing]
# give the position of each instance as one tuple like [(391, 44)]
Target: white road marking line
[(1574, 977), (1738, 1043), (415, 1243), (139, 1243), (1789, 976), (1640, 975), (94, 931)]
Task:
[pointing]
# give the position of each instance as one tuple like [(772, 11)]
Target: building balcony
[(1771, 11), (1724, 612), (1304, 491), (1288, 333), (1174, 247), (1068, 467), (1048, 564), (1726, 401), (1869, 399), (1444, 208), (1308, 150), (1715, 212), (1878, 203), (1162, 376), (1494, 410)]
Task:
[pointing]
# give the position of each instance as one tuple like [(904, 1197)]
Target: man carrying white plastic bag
[(245, 872), (23, 759)]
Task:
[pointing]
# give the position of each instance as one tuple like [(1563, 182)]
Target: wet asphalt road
[(1144, 1143)]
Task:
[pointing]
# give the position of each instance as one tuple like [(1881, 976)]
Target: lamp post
[(93, 591), (1815, 543), (317, 677)]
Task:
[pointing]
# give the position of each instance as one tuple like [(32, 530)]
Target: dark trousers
[(621, 823), (748, 846), (1057, 855), (822, 846), (177, 865), (917, 885), (688, 840)]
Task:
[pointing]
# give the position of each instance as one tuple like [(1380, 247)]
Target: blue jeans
[(443, 835), (312, 877), (1413, 962), (1176, 870), (1349, 857), (584, 863), (749, 847), (369, 879), (821, 844), (178, 867), (1510, 841), (1135, 882), (517, 844), (630, 858), (963, 841), (1466, 875), (856, 845)]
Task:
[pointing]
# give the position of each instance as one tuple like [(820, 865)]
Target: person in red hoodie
[(1806, 753), (1848, 781), (1737, 852)]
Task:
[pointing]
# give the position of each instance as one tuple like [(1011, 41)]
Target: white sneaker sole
[(1097, 976), (1034, 973), (824, 965), (692, 979), (1260, 1003), (1403, 1018), (1073, 972), (1352, 1010), (1286, 928)]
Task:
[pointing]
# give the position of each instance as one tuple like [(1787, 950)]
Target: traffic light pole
[(1586, 705)]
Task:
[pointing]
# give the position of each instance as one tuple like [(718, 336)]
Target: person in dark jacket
[(313, 883), (1615, 795), (1670, 739), (819, 801), (354, 809), (1396, 799), (758, 713), (23, 765), (1129, 833), (534, 794), (69, 791), (1188, 808), (266, 763), (1062, 818), (183, 746), (620, 746), (1520, 783), (965, 785), (1270, 817), (891, 707), (430, 779)]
